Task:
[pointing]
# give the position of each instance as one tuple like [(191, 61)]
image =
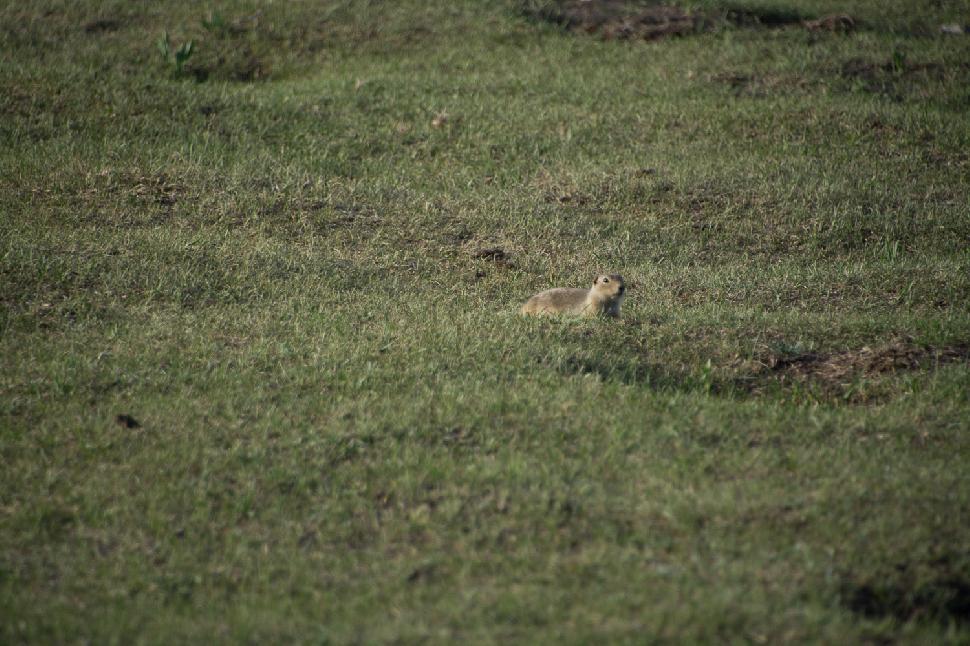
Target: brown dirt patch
[(158, 188), (899, 76), (838, 22), (240, 64), (834, 373), (876, 72), (101, 25), (619, 18), (495, 254), (759, 85), (635, 20), (487, 258), (146, 188)]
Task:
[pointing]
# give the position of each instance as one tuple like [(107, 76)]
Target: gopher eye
[(605, 279)]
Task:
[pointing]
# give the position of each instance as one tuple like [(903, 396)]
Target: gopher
[(603, 298)]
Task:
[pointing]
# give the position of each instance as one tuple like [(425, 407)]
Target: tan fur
[(602, 299)]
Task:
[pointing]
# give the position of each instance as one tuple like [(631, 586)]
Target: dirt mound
[(900, 354), (620, 18), (635, 20), (835, 373)]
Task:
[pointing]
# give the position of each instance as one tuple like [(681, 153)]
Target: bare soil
[(628, 19)]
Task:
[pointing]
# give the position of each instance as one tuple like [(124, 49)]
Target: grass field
[(262, 376)]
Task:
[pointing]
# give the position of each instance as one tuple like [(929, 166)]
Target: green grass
[(345, 431)]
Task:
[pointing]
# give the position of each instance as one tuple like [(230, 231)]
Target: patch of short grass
[(263, 376)]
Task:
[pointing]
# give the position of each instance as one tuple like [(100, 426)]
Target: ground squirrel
[(603, 298)]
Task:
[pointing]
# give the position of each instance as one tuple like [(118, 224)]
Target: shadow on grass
[(937, 591), (656, 376)]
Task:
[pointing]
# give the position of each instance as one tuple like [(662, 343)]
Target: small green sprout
[(178, 56)]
